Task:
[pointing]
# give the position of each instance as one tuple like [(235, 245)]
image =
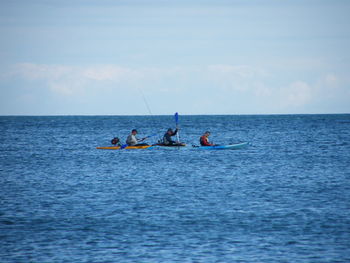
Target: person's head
[(134, 131), (207, 133), (170, 131)]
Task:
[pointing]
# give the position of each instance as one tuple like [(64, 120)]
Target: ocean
[(284, 198)]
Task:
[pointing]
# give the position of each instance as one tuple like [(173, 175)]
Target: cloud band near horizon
[(216, 89)]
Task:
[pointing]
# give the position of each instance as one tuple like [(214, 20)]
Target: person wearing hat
[(204, 139), (167, 137), (133, 141)]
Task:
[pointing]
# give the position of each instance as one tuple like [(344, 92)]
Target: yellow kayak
[(127, 147)]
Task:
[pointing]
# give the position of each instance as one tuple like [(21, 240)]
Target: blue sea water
[(285, 198)]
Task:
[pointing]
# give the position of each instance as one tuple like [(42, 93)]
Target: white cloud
[(42, 71), (109, 73), (332, 81), (297, 94), (261, 90), (242, 71), (240, 78), (214, 88), (70, 80)]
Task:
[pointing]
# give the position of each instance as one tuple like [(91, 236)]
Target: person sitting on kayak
[(204, 139), (115, 141), (133, 141), (167, 137)]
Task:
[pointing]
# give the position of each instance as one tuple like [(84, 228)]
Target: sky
[(157, 57)]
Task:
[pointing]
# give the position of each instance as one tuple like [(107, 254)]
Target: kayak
[(140, 147), (223, 147), (127, 147), (180, 144), (215, 147)]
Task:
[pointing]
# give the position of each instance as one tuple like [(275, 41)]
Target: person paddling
[(204, 139), (132, 140), (167, 137)]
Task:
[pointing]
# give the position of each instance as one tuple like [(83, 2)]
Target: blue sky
[(101, 57)]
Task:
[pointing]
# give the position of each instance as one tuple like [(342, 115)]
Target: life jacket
[(203, 141)]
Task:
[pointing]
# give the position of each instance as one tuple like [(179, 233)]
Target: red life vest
[(204, 141)]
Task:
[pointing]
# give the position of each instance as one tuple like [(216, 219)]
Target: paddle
[(126, 145), (177, 122)]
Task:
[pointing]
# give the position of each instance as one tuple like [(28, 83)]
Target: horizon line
[(155, 115)]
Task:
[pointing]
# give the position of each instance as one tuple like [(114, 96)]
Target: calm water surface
[(285, 198)]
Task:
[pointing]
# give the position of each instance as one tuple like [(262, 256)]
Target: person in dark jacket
[(167, 137)]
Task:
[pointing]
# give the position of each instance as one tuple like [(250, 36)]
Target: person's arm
[(206, 143), (140, 140)]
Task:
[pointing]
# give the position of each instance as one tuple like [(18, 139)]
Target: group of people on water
[(132, 140)]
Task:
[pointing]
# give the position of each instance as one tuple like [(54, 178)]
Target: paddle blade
[(176, 117), (123, 146)]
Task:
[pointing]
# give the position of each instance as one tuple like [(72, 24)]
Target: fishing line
[(145, 101), (147, 105)]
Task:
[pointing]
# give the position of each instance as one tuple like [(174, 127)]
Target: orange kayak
[(127, 147)]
